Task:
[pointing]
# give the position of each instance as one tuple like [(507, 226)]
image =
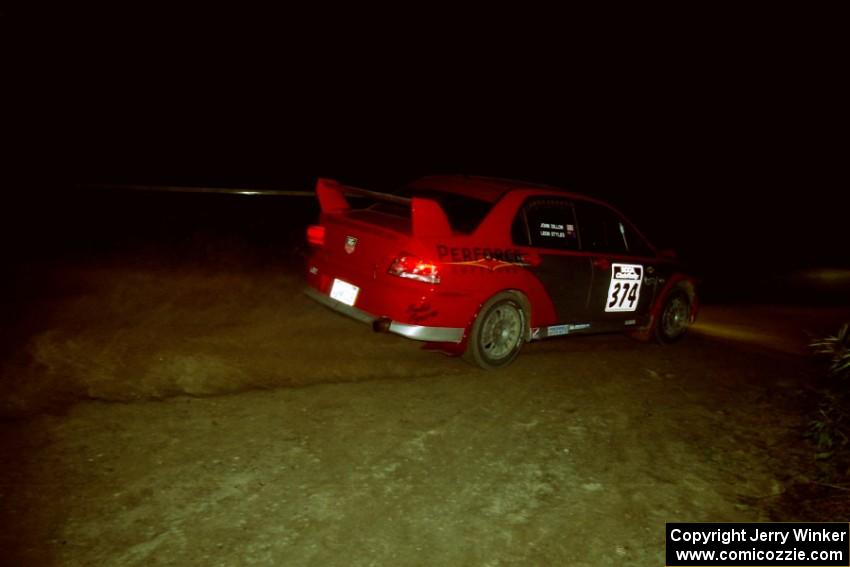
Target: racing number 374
[(624, 290)]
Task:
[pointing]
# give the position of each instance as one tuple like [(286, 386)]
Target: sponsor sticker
[(557, 330)]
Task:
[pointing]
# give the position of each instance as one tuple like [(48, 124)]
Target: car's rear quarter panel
[(479, 283)]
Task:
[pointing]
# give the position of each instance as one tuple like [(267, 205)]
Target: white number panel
[(624, 289)]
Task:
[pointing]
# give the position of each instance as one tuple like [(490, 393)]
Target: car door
[(545, 229), (624, 268)]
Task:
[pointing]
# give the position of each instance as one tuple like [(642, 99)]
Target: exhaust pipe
[(381, 324)]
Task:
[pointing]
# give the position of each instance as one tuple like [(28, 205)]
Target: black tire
[(498, 332), (674, 318)]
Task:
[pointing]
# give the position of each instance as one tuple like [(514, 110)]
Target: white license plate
[(344, 292)]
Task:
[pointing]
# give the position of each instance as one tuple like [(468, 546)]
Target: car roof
[(489, 189)]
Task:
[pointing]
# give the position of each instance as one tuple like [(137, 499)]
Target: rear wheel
[(497, 333), (675, 318)]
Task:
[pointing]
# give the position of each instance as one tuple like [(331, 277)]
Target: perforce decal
[(624, 289)]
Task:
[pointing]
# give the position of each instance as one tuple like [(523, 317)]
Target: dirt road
[(227, 420)]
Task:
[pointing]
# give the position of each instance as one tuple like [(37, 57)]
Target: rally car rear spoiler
[(428, 219)]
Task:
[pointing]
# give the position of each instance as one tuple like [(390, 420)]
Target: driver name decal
[(624, 289)]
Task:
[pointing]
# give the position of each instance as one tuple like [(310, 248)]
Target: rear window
[(464, 213)]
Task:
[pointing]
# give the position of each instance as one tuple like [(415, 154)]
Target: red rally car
[(479, 266)]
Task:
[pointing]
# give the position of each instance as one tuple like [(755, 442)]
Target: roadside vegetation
[(828, 427)]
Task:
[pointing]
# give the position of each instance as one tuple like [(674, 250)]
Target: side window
[(637, 245), (546, 223), (602, 230)]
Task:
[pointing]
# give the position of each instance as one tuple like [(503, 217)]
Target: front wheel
[(675, 318), (498, 332)]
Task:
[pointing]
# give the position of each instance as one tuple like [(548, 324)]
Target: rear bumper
[(415, 332)]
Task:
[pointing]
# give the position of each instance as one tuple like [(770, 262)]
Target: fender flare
[(677, 281)]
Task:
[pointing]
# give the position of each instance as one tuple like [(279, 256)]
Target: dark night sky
[(726, 127)]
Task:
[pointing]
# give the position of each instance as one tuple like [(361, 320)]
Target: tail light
[(316, 235), (414, 268)]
